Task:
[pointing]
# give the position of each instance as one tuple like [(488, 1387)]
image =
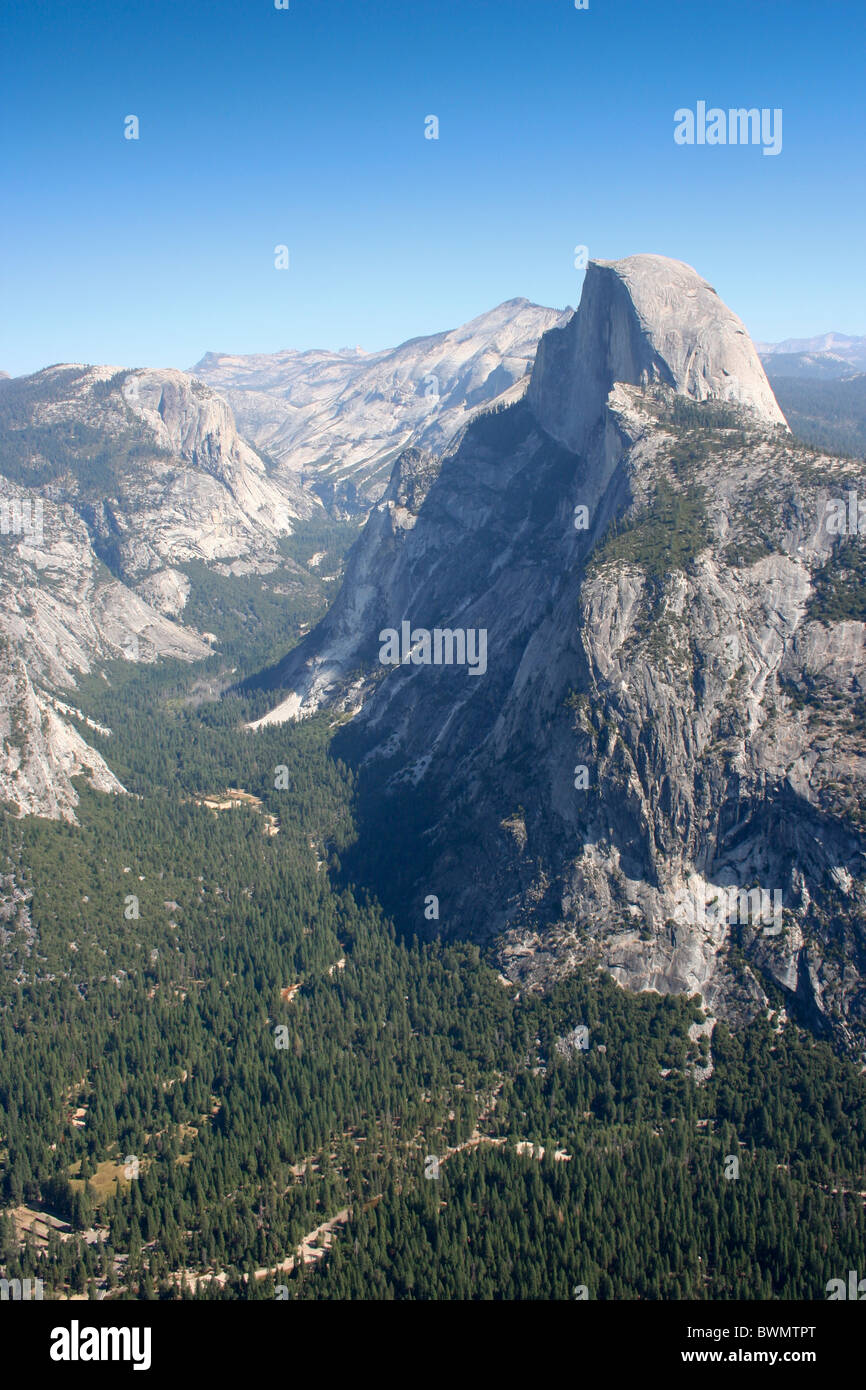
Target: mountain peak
[(645, 319)]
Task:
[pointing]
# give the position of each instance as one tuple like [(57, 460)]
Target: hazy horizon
[(366, 350)]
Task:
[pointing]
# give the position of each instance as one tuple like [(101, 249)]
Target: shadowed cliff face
[(665, 720)]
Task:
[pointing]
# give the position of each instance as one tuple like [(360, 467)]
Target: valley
[(235, 1092)]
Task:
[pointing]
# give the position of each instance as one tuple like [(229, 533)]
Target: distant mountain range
[(827, 354), (338, 420), (820, 384)]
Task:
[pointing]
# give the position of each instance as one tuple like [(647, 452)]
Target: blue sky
[(305, 127)]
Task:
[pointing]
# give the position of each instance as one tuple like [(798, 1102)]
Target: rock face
[(645, 320), (129, 473), (375, 575), (673, 714), (61, 614), (338, 420), (41, 751), (245, 504), (152, 461)]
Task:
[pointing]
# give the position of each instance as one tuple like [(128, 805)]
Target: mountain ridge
[(338, 421), (121, 476)]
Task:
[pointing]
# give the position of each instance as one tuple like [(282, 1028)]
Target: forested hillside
[(212, 1046), (828, 414)]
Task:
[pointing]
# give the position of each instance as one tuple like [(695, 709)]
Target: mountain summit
[(642, 320)]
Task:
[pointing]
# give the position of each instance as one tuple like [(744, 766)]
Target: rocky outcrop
[(345, 641), (40, 752), (645, 320), (189, 421)]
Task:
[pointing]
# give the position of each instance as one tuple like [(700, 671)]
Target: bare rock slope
[(338, 420), (109, 480)]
